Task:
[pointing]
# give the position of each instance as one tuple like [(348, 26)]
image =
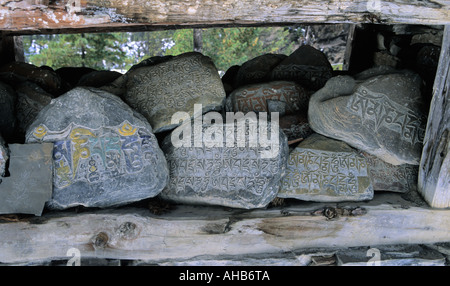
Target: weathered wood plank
[(434, 171), (193, 231), (44, 15)]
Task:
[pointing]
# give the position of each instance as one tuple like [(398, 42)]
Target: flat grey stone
[(382, 115), (326, 170), (239, 177), (29, 184), (387, 177), (105, 153), (390, 255), (160, 90)]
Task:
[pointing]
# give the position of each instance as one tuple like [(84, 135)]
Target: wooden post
[(434, 171)]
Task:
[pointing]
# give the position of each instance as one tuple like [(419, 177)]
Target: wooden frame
[(190, 233)]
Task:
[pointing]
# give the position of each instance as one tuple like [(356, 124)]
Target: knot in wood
[(127, 230), (100, 240), (330, 212)]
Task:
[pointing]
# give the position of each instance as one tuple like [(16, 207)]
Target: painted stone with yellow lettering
[(105, 153)]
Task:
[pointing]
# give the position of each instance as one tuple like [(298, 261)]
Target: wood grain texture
[(434, 171), (197, 231), (40, 16)]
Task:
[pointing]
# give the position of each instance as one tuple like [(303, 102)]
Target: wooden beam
[(434, 171), (187, 232), (38, 16)]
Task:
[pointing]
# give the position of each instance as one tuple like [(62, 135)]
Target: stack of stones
[(171, 127)]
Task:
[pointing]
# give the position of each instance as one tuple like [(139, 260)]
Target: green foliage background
[(119, 51)]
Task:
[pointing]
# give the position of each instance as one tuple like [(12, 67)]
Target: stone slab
[(29, 184), (232, 176), (326, 170), (382, 115)]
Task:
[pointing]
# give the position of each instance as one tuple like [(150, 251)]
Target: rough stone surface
[(3, 157), (7, 111), (104, 154), (17, 72), (160, 90), (382, 115), (31, 99), (29, 184), (326, 170), (255, 97), (387, 177), (307, 66), (258, 70), (238, 177), (98, 78)]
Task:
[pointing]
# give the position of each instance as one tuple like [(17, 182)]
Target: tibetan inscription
[(238, 177), (255, 97), (103, 164), (383, 115), (160, 90), (326, 176), (387, 177)]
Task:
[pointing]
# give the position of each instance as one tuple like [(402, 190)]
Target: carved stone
[(31, 99), (232, 176), (307, 66), (105, 153), (255, 97), (326, 170), (388, 177), (258, 70), (29, 184), (160, 90), (382, 115), (7, 111)]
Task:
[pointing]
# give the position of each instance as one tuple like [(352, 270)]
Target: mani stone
[(307, 66), (255, 97), (98, 78), (239, 176), (326, 170), (29, 184), (388, 177), (31, 99), (382, 115), (160, 90), (105, 153), (258, 69), (7, 111)]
